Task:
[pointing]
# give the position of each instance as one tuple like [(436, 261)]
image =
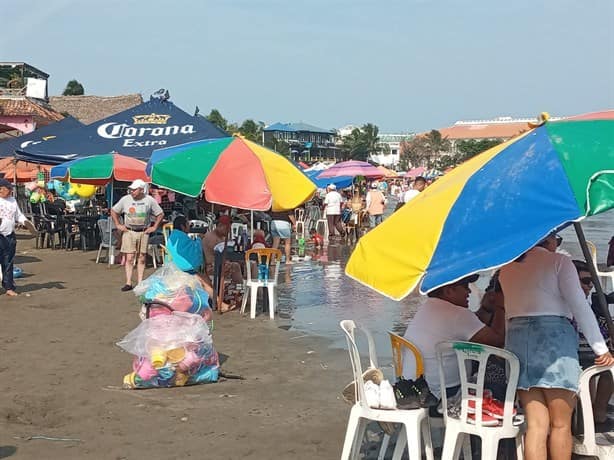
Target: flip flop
[(126, 288)]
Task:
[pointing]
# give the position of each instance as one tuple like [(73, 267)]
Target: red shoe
[(487, 420), (490, 406)]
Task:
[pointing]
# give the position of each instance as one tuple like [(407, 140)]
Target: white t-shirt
[(137, 213), (408, 195), (437, 321), (10, 213), (333, 202), (546, 283)]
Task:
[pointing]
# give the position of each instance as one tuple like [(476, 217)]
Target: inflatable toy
[(17, 272)]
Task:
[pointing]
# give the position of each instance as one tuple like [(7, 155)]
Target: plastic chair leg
[(426, 435), (490, 446), (99, 251), (360, 434), (252, 303), (272, 301), (244, 300), (452, 443), (414, 442), (399, 448), (519, 447), (350, 435)]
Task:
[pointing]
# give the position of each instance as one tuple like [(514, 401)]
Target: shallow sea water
[(315, 295)]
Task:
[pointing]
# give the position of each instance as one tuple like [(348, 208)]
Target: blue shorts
[(547, 348), (281, 229)]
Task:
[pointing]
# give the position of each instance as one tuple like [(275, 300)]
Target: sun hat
[(332, 186), (6, 183), (138, 183)]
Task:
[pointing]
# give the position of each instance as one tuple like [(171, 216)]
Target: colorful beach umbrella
[(101, 169), (489, 210), (352, 168), (414, 172), (233, 172)]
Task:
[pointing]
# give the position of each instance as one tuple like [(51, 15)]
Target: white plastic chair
[(299, 215), (237, 229), (107, 240), (415, 422), (589, 443), (458, 429), (323, 225), (603, 275), (272, 258)]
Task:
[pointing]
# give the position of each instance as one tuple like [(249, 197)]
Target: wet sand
[(61, 377)]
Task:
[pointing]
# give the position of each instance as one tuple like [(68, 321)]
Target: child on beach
[(316, 238)]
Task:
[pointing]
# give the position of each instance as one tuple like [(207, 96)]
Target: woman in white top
[(542, 293)]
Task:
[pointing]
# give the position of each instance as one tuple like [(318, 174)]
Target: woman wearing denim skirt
[(542, 293)]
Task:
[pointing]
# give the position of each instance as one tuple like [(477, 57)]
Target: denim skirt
[(547, 348)]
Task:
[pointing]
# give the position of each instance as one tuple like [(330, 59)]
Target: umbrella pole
[(111, 248), (603, 304), (251, 212)]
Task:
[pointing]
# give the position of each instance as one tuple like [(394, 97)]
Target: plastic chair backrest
[(299, 214), (236, 229), (468, 353), (348, 326), (198, 224), (166, 230), (105, 235), (271, 257), (585, 401), (398, 343)]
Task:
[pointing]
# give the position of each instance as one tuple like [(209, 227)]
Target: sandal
[(126, 288)]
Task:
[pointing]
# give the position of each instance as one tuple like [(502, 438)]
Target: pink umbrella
[(415, 171), (351, 168)]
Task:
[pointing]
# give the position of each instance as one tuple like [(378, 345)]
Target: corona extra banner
[(135, 132)]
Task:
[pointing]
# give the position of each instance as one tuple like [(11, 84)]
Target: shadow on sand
[(7, 451), (25, 259), (38, 286)]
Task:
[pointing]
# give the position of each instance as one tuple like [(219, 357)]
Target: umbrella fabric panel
[(583, 148), (389, 270), (238, 174), (199, 158), (100, 169), (505, 207), (340, 182), (290, 187)]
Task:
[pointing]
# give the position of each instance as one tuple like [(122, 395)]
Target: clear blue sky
[(405, 65)]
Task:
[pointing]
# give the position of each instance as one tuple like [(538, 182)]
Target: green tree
[(362, 142), (73, 88), (251, 130), (217, 119), (278, 145), (471, 147)]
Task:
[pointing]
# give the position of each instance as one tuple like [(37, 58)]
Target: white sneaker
[(372, 394), (386, 396)]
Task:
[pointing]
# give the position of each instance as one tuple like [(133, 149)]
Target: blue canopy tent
[(44, 134), (340, 182), (135, 132)]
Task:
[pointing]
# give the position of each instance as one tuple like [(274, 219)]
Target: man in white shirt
[(137, 208), (417, 187), (332, 210), (445, 316), (9, 215)]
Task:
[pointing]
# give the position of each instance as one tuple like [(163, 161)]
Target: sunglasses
[(586, 280), (559, 240)]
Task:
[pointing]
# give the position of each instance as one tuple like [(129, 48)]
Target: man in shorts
[(137, 208)]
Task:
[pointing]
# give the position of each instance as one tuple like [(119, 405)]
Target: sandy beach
[(61, 375)]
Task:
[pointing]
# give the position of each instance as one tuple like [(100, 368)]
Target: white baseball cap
[(332, 186), (139, 183)]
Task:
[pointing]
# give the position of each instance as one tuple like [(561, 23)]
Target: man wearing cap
[(9, 215), (445, 316), (332, 210), (376, 203), (137, 209)]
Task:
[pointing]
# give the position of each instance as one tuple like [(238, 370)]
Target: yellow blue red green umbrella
[(491, 209), (233, 172)]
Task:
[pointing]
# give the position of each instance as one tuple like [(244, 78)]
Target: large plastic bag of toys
[(178, 290), (171, 350)]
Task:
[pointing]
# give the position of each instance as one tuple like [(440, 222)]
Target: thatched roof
[(88, 109)]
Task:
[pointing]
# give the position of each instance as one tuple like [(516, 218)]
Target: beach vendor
[(142, 216), (9, 215), (445, 316)]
